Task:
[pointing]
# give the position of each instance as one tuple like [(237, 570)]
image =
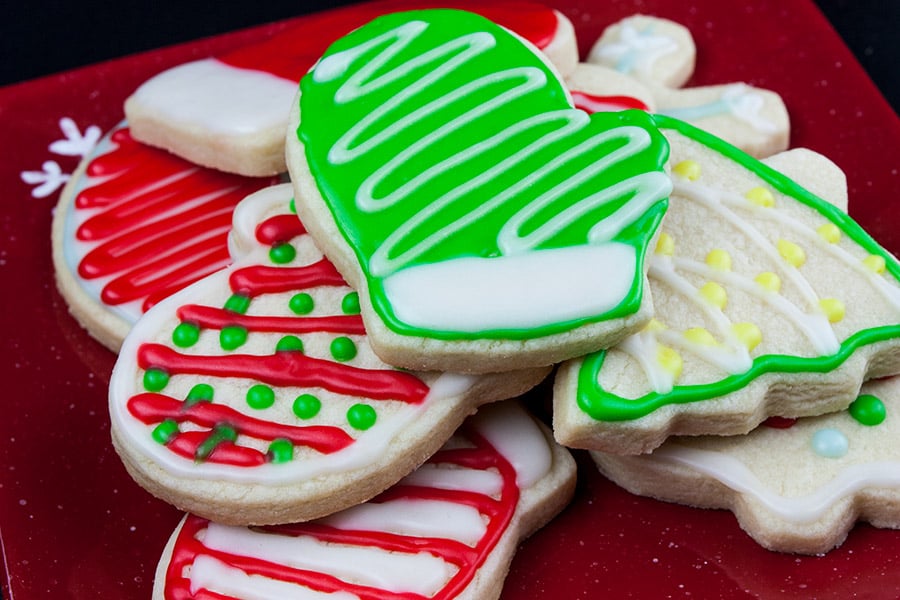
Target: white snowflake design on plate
[(51, 177)]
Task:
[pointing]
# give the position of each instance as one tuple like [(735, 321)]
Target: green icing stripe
[(605, 406), (437, 135)]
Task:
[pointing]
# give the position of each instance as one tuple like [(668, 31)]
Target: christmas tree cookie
[(487, 224), (252, 396), (769, 301), (498, 479), (795, 485)]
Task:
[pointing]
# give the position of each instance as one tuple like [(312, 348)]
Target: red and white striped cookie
[(448, 530), (231, 112), (253, 397), (135, 224)]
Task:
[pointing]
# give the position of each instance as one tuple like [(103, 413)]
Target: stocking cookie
[(231, 112), (769, 301), (657, 56), (795, 486), (134, 225), (486, 222), (498, 479), (252, 397)]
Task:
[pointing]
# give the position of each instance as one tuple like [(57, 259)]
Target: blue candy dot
[(830, 443)]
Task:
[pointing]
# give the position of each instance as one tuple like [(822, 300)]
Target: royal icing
[(799, 473), (283, 396), (474, 160), (718, 350), (144, 224), (424, 538)]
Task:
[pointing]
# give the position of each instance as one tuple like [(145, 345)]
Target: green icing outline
[(637, 235), (605, 406)]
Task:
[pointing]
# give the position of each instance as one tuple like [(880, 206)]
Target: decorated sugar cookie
[(795, 486), (252, 396), (134, 225), (230, 112), (487, 223), (448, 530), (769, 301), (652, 58)]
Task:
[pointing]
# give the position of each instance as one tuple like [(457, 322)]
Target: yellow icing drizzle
[(761, 197), (791, 252), (665, 245), (719, 259), (769, 281), (748, 334), (669, 360), (830, 233), (699, 335), (833, 308), (874, 263), (715, 294), (688, 169)]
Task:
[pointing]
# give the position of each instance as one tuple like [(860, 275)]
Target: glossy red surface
[(74, 525)]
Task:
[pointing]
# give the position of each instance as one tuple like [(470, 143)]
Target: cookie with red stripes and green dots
[(253, 397), (770, 301), (795, 485), (447, 530)]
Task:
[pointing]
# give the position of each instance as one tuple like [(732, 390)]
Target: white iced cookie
[(794, 486), (659, 55), (770, 301), (231, 112), (448, 530), (252, 396)]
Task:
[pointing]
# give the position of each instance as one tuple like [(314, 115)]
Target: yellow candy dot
[(833, 308), (655, 325), (770, 281), (688, 169), (791, 252), (748, 334), (874, 263), (699, 335), (719, 259), (830, 233), (665, 244), (669, 360), (715, 294), (761, 196)]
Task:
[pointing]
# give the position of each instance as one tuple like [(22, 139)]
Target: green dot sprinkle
[(301, 304), (868, 410), (292, 206), (165, 431), (306, 406), (281, 254), (350, 304), (202, 392), (232, 337), (361, 416), (289, 343), (343, 349), (238, 303), (185, 335), (281, 451), (155, 379), (260, 396)]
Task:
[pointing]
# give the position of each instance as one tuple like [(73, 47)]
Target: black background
[(41, 37)]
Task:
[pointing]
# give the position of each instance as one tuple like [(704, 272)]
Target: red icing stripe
[(290, 369), (291, 53), (256, 280), (158, 222), (188, 544), (228, 453), (217, 318), (151, 408), (279, 228), (590, 103)]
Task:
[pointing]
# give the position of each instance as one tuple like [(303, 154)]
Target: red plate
[(74, 525)]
